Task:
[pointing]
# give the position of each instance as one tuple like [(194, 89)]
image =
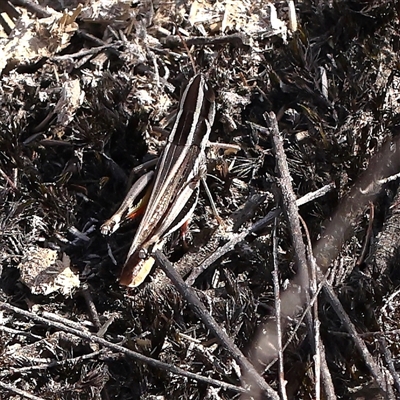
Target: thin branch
[(389, 362), (200, 310), (317, 356), (86, 52), (366, 334), (238, 237), (40, 11), (91, 306), (315, 194), (289, 201), (278, 313), (18, 332), (221, 251), (55, 363), (187, 50), (297, 295), (65, 321), (299, 322), (19, 392), (326, 375), (338, 230), (130, 353), (361, 346), (318, 346)]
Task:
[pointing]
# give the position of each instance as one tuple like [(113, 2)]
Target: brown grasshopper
[(174, 185)]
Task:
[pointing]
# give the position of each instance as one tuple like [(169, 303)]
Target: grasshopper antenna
[(187, 50)]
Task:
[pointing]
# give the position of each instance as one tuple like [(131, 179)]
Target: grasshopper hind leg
[(136, 268), (186, 213)]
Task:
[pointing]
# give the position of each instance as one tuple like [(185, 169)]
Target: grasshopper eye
[(143, 254)]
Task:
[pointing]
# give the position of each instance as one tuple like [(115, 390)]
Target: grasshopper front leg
[(129, 207)]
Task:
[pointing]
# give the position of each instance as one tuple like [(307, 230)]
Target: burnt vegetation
[(81, 106)]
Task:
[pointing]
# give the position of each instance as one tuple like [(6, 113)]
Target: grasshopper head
[(136, 270)]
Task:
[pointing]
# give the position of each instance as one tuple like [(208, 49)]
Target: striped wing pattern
[(177, 176)]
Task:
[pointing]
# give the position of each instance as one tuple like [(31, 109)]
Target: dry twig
[(389, 362), (19, 392), (257, 226), (40, 11), (199, 309), (278, 314), (133, 354), (361, 346)]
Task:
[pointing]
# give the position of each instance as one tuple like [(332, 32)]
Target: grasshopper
[(173, 186)]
